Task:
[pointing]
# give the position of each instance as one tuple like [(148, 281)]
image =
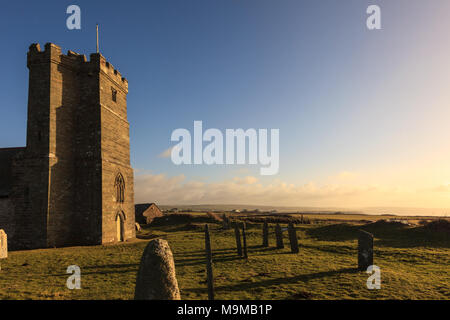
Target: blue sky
[(357, 110)]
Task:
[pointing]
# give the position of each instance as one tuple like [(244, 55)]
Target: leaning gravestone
[(279, 236), (365, 250), (3, 245), (156, 279)]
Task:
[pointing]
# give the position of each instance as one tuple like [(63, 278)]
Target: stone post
[(209, 268), (279, 236), (156, 279), (237, 234), (365, 250), (244, 239), (265, 242), (293, 238)]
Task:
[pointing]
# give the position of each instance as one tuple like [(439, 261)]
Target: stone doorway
[(120, 226)]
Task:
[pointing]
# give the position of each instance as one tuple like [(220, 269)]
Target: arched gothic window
[(120, 188)]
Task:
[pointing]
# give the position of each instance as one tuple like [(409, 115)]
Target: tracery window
[(120, 188)]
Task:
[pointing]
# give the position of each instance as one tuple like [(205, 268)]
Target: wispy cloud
[(166, 153), (245, 180), (249, 190)]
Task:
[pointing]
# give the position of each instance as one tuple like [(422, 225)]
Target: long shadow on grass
[(337, 249), (113, 266), (225, 254), (149, 236), (202, 252), (278, 281), (219, 255), (194, 262), (106, 269)]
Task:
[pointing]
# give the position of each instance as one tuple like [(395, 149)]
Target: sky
[(362, 114)]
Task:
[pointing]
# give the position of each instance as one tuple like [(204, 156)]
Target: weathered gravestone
[(209, 269), (237, 234), (3, 245), (156, 279), (293, 238), (244, 240), (265, 242), (365, 250), (279, 236)]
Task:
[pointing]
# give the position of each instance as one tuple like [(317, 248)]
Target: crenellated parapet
[(52, 53), (108, 69)]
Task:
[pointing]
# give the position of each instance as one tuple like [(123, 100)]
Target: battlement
[(52, 52), (108, 69)]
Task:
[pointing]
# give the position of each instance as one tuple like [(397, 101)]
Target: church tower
[(74, 182)]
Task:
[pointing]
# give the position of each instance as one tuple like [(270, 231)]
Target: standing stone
[(265, 242), (279, 236), (293, 238), (3, 245), (237, 233), (209, 269), (365, 250), (156, 279), (244, 239)]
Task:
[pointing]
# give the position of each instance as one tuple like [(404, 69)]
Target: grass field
[(414, 264)]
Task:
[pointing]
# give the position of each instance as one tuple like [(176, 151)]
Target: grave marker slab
[(279, 236), (365, 250), (293, 238)]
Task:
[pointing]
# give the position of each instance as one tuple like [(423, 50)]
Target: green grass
[(414, 265)]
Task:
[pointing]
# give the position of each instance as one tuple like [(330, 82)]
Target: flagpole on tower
[(97, 37)]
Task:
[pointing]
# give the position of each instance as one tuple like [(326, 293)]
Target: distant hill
[(401, 211)]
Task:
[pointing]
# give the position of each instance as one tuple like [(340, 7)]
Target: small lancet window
[(119, 184), (114, 94)]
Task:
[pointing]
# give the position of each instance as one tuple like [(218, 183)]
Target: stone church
[(72, 184)]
